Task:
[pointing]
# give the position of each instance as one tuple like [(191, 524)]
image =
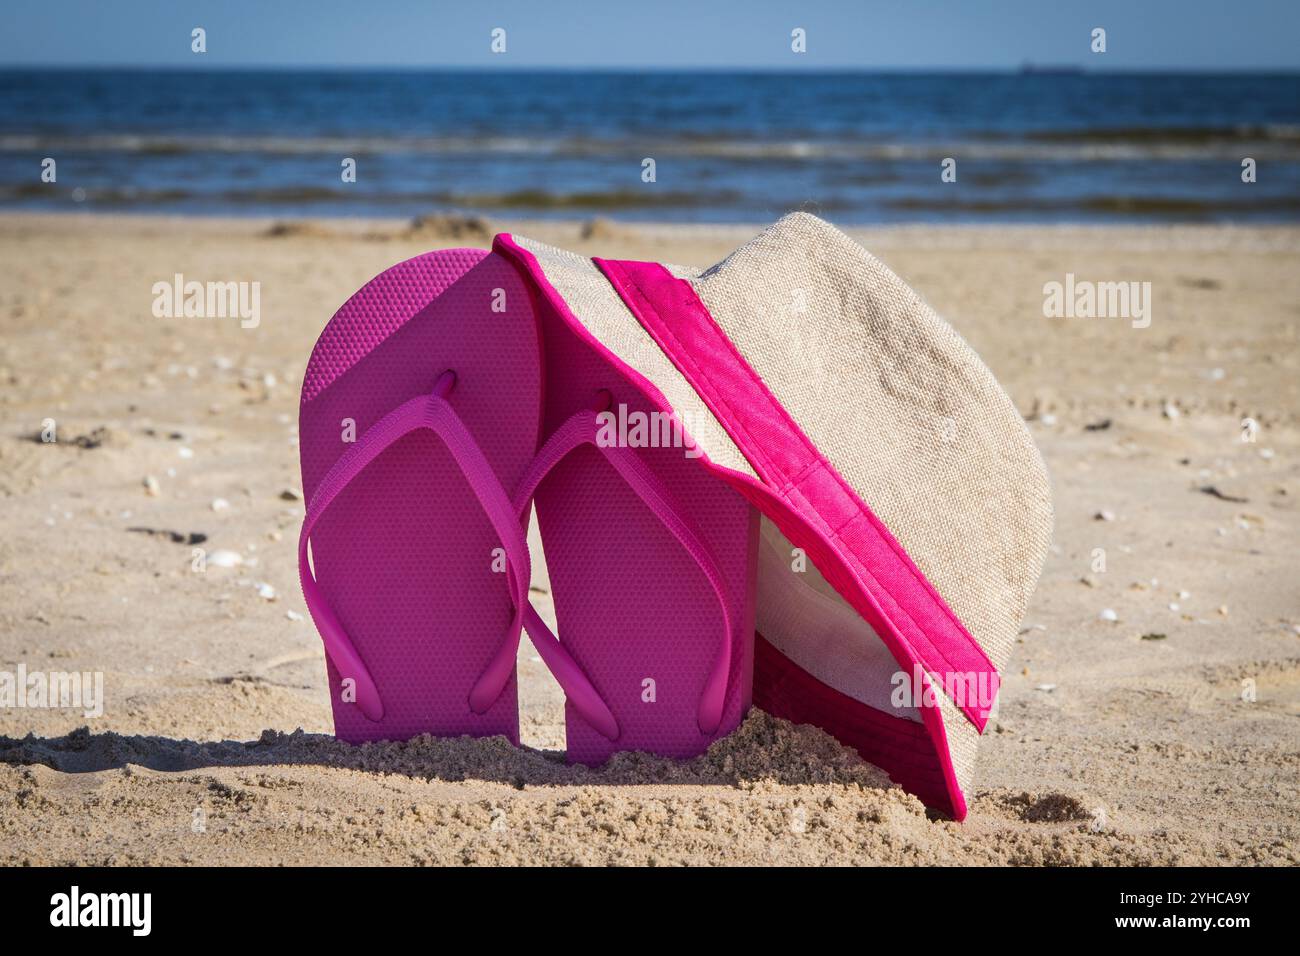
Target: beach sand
[(1169, 735)]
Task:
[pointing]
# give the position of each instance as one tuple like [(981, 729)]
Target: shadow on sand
[(763, 748)]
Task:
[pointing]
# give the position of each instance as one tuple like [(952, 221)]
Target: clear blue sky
[(667, 34)]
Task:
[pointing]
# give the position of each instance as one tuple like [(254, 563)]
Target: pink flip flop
[(652, 558), (420, 408), (420, 405)]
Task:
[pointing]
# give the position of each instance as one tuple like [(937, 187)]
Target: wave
[(1116, 206), (1273, 142), (596, 201), (1280, 132), (524, 199)]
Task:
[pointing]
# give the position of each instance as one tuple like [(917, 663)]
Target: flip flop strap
[(436, 414), (582, 428)]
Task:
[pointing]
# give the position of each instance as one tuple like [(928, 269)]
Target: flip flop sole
[(405, 555), (632, 607)]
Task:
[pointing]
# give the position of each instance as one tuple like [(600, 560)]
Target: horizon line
[(1026, 68)]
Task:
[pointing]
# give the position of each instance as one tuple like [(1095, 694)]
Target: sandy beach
[(1151, 713)]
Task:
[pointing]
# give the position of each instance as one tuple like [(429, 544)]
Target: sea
[(723, 147)]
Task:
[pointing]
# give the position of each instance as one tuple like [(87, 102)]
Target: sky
[(1208, 35)]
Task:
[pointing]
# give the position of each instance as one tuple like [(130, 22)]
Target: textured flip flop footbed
[(405, 555), (632, 606)]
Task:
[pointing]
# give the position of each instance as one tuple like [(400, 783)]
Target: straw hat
[(906, 511)]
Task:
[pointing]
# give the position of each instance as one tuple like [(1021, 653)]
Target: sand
[(1169, 735)]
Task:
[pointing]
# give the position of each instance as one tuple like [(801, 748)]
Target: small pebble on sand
[(1046, 688), (220, 504), (293, 615), (265, 591), (224, 558), (1108, 614), (1170, 411), (1104, 515), (185, 452), (151, 486)]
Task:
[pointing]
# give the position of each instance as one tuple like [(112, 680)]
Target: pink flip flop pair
[(782, 478), (441, 400)]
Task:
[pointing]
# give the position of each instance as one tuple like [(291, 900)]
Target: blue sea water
[(728, 147)]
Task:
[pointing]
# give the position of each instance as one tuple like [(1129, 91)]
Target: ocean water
[(728, 147)]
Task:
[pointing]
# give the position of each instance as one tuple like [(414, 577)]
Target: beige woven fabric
[(894, 399), (597, 306), (901, 406), (963, 741)]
